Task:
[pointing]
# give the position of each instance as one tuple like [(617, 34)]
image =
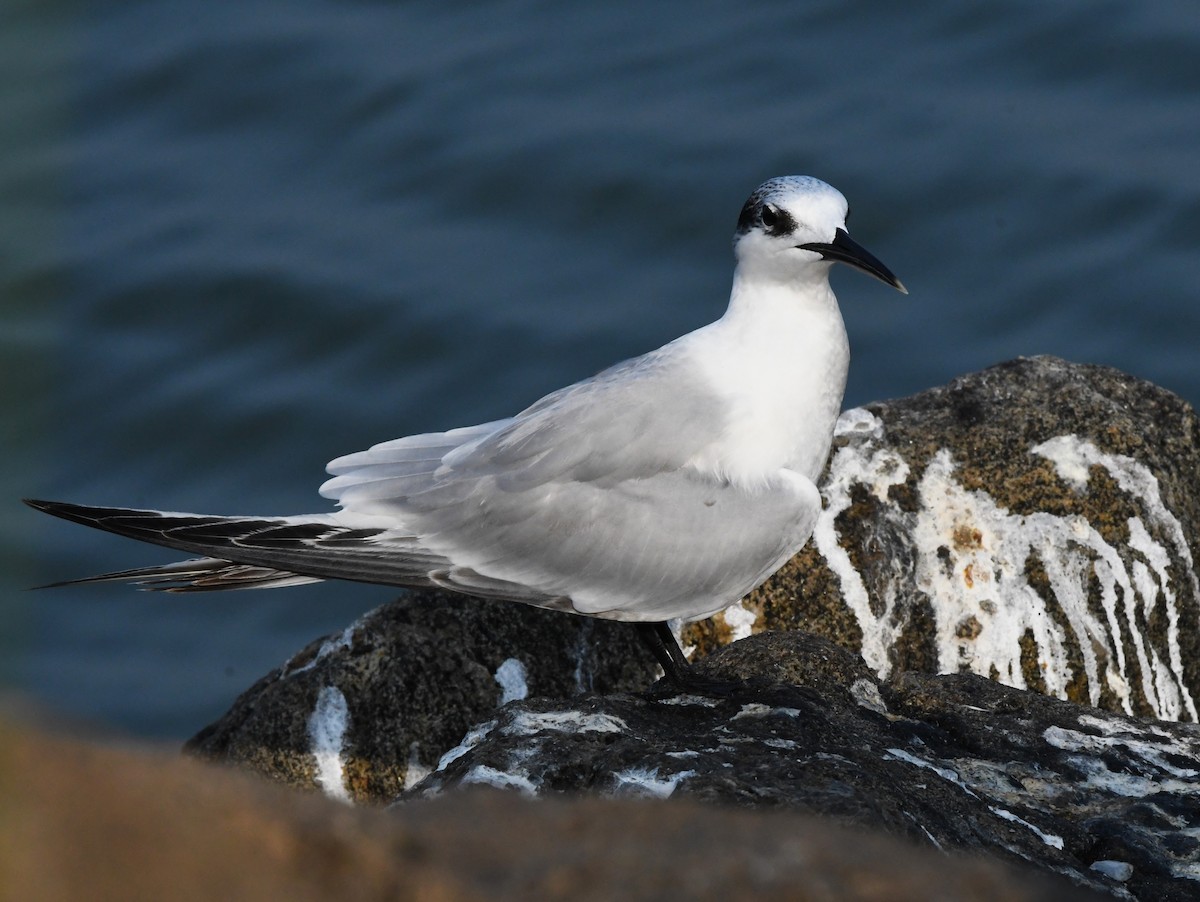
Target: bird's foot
[(690, 681)]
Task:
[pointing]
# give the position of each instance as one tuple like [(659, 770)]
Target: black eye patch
[(776, 221)]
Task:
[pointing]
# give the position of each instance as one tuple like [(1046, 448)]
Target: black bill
[(845, 249)]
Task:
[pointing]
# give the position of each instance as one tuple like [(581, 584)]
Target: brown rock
[(1031, 523)]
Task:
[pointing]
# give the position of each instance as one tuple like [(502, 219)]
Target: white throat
[(780, 356)]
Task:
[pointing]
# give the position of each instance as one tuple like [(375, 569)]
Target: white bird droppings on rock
[(528, 722), (758, 709), (327, 727), (328, 647), (970, 559), (512, 680), (1137, 480), (879, 471), (740, 620), (416, 770), (1158, 771), (474, 736), (1048, 838), (641, 781), (490, 776), (1117, 870)]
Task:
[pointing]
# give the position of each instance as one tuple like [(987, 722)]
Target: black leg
[(668, 640), (661, 642)]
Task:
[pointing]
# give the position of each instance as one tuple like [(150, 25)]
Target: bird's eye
[(769, 215)]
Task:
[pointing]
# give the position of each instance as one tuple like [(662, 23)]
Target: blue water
[(238, 240)]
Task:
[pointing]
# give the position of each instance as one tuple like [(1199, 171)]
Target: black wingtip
[(56, 508), (83, 514), (56, 585)]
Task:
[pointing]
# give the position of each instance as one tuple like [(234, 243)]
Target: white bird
[(665, 487)]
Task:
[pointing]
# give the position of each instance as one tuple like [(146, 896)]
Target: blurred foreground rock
[(107, 823)]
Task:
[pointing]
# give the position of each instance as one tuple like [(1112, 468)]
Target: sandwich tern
[(665, 487)]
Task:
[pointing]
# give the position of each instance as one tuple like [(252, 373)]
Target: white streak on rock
[(583, 670), (1117, 870), (758, 709), (932, 838), (1109, 726), (880, 471), (690, 700), (740, 620), (1129, 743), (644, 781), (1137, 480), (474, 736), (327, 727), (971, 558), (529, 722), (1153, 581), (947, 774), (512, 680), (944, 772), (489, 776), (328, 647), (1048, 838), (416, 770)]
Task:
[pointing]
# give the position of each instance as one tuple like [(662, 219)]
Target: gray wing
[(671, 545), (637, 418), (588, 496)]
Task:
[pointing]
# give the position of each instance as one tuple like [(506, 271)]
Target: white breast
[(779, 358)]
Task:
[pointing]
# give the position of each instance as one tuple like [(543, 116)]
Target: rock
[(84, 820), (953, 762), (1032, 523), (406, 682), (970, 529)]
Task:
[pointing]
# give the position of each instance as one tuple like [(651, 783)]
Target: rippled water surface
[(237, 240)]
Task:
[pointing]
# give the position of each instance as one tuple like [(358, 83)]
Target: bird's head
[(793, 228)]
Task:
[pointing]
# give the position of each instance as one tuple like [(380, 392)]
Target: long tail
[(256, 552)]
